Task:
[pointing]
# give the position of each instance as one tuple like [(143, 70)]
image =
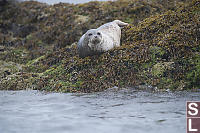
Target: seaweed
[(160, 48)]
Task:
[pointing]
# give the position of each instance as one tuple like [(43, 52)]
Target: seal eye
[(90, 34), (99, 33)]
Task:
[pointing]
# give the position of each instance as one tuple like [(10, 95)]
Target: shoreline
[(36, 50)]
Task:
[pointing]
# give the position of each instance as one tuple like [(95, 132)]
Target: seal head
[(94, 38)]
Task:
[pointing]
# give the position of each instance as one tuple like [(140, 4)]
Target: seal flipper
[(120, 23)]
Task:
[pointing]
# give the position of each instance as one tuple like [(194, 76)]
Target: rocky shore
[(160, 48)]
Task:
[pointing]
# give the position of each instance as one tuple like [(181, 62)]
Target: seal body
[(102, 39)]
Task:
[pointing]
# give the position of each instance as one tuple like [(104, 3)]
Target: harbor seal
[(102, 39)]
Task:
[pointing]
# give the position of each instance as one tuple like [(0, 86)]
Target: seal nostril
[(95, 36)]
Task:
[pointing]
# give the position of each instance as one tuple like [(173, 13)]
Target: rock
[(160, 48)]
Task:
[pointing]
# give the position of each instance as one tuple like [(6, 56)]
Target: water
[(65, 1), (125, 111)]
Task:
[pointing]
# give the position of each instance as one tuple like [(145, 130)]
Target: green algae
[(193, 76), (159, 69)]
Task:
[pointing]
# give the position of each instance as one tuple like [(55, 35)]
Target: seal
[(102, 39)]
